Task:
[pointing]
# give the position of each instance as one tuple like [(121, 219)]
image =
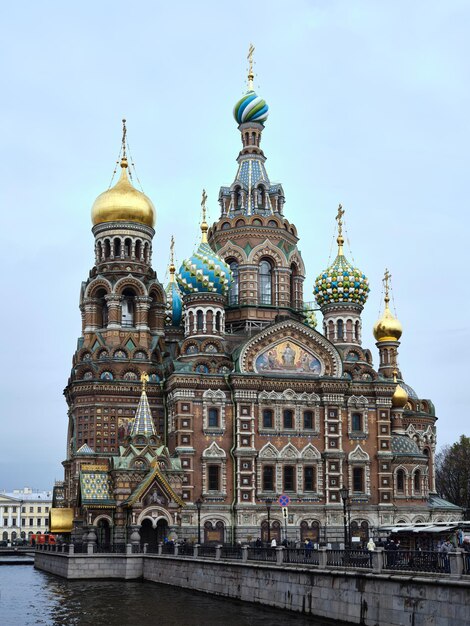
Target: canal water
[(29, 597)]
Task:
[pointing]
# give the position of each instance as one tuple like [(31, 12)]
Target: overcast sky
[(369, 106)]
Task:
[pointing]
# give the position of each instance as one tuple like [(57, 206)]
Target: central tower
[(252, 235)]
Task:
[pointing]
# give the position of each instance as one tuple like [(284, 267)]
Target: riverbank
[(343, 594)]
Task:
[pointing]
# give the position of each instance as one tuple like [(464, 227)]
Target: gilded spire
[(171, 266), (204, 225), (340, 238), (251, 75), (124, 141)]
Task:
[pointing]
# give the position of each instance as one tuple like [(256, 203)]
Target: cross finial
[(204, 226), (250, 67), (386, 282), (339, 219), (124, 141), (144, 377), (171, 266), (203, 204)]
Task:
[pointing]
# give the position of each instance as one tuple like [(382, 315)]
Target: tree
[(453, 473)]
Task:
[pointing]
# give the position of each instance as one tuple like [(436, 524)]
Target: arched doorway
[(153, 535), (359, 533), (104, 533)]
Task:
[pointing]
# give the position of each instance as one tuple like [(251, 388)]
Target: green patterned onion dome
[(341, 282), (204, 272), (251, 108)]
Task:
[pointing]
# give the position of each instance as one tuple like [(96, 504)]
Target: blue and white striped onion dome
[(174, 304), (204, 272), (251, 108), (341, 282)]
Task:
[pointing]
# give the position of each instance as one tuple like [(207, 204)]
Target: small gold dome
[(399, 398), (123, 203), (387, 328)]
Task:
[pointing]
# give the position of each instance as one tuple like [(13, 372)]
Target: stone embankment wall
[(85, 566), (356, 597)]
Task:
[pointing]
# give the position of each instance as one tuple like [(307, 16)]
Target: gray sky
[(369, 107)]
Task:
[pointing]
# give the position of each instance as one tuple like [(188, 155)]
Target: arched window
[(127, 308), (268, 478), (293, 284), (289, 478), (107, 249), (138, 249), (199, 320), (400, 481), (358, 479), (357, 331), (310, 483), (102, 309), (356, 422), (268, 418), (417, 482), (218, 325), (127, 247), (288, 418), (308, 420), (340, 329), (265, 282), (213, 418), (117, 248), (233, 293)]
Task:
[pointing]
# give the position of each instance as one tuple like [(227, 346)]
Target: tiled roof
[(402, 445), (85, 449)]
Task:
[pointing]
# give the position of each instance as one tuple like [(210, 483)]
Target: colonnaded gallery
[(193, 407)]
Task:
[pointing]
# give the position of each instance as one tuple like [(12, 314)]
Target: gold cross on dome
[(172, 250), (250, 67), (339, 219), (386, 281), (203, 204)]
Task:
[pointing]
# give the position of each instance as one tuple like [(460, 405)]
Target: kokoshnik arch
[(220, 390)]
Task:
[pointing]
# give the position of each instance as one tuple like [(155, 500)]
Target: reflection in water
[(29, 597)]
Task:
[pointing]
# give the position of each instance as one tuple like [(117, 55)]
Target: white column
[(18, 518), (10, 516)]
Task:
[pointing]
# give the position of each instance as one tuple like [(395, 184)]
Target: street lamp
[(344, 493), (198, 507), (268, 508)]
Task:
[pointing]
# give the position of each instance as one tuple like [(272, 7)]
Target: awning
[(61, 520)]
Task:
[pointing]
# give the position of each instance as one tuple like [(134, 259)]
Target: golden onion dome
[(387, 328), (399, 398), (123, 203), (400, 395)]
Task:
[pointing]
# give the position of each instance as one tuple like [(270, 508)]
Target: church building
[(193, 408)]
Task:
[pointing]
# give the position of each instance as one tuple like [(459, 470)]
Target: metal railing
[(307, 556), (379, 560), (417, 561), (262, 554)]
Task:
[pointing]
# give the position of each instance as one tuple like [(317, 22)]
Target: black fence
[(417, 561)]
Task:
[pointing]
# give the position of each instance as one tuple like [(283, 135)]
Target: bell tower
[(123, 309)]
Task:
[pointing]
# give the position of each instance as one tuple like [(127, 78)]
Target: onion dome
[(204, 271), (251, 108), (174, 303), (341, 282), (387, 328), (123, 203), (400, 396)]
